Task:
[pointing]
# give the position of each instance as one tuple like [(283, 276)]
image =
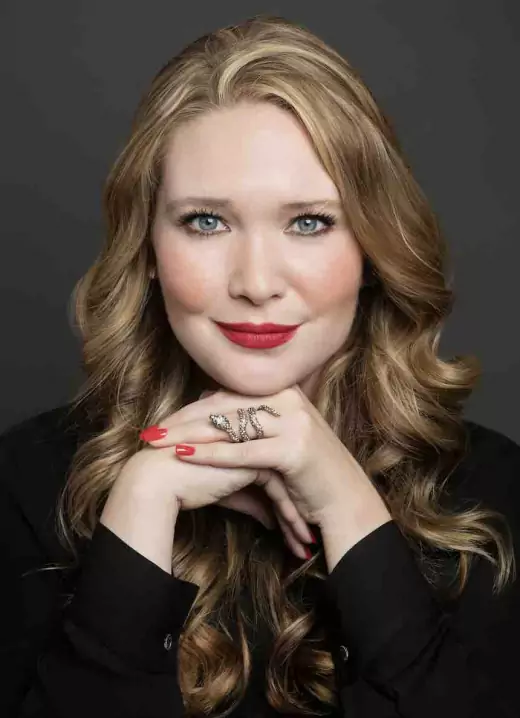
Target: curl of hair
[(387, 395)]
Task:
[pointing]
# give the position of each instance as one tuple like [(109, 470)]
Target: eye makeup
[(329, 220)]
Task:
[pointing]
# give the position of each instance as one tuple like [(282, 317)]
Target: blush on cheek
[(183, 285), (336, 282)]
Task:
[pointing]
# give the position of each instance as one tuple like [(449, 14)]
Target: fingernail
[(313, 537), (184, 450), (308, 553), (152, 433)]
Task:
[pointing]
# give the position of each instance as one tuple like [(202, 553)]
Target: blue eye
[(207, 226), (204, 230), (313, 218)]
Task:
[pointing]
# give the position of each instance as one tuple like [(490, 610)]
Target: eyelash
[(185, 219)]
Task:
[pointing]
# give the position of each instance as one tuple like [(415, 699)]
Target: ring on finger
[(220, 421)]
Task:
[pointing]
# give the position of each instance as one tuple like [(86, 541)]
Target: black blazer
[(101, 640)]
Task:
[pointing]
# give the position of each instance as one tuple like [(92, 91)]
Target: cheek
[(333, 281), (185, 283)]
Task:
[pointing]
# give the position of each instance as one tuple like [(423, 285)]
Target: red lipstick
[(258, 336), (258, 328)]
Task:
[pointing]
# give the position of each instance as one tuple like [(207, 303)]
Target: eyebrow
[(222, 203)]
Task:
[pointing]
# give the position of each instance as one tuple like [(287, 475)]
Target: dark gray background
[(73, 71)]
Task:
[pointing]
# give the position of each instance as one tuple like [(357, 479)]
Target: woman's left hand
[(320, 474)]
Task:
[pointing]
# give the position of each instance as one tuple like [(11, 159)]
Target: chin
[(255, 386)]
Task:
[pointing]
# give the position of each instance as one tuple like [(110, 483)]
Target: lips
[(266, 328), (261, 338)]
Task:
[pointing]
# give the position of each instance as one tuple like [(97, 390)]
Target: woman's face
[(261, 264)]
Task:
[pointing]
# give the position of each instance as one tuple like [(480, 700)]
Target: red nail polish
[(313, 537), (308, 553), (152, 433), (184, 450)]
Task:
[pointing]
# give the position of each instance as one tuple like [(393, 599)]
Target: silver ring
[(220, 421)]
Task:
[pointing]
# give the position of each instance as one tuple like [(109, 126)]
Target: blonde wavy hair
[(386, 394)]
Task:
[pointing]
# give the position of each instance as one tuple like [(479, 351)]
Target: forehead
[(249, 150)]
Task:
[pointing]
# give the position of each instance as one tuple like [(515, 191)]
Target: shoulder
[(35, 456), (42, 425), (489, 470), (48, 435), (484, 439)]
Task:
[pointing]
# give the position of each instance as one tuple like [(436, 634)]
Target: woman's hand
[(260, 494), (319, 473), (254, 500)]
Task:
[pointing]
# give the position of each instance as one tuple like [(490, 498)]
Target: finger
[(158, 434), (187, 432), (200, 410), (275, 488), (291, 540), (241, 502), (260, 454)]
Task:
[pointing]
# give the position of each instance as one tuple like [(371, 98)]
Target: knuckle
[(214, 450), (289, 511), (275, 479), (265, 476)]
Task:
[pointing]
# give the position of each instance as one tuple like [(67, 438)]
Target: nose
[(256, 270)]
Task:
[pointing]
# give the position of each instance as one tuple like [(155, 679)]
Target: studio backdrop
[(445, 73)]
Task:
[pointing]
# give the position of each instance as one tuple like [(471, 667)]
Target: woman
[(290, 520)]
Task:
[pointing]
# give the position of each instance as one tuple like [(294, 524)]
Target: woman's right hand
[(156, 472), (154, 485), (268, 502)]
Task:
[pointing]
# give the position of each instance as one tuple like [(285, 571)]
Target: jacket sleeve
[(110, 651), (406, 653)]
